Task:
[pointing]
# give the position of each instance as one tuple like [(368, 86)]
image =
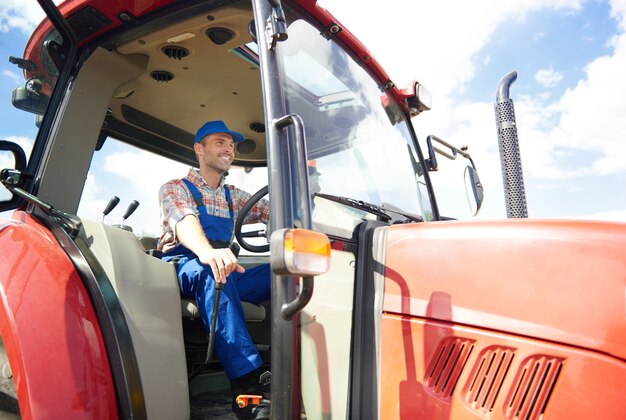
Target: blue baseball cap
[(212, 127)]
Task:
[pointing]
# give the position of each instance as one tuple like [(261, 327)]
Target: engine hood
[(561, 281)]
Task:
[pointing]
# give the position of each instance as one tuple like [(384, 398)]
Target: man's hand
[(222, 262)]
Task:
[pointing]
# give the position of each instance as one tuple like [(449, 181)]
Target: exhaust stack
[(512, 175)]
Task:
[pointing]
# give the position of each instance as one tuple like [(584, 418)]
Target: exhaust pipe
[(512, 175)]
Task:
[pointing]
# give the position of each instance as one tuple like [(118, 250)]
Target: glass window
[(28, 86), (129, 173), (356, 134)]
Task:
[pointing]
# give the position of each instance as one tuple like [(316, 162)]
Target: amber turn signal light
[(299, 252)]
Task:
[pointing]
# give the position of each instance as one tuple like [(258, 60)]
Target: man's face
[(216, 151)]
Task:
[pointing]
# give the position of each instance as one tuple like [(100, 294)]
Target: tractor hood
[(559, 281)]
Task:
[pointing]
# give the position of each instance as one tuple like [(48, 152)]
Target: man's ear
[(197, 148)]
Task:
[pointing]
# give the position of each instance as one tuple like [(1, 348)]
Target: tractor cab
[(118, 94), (380, 306)]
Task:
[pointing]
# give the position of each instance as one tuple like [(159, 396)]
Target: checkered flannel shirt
[(177, 202)]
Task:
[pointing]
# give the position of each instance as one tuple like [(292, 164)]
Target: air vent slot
[(161, 76), (447, 365), (220, 36), (485, 382), (533, 387), (175, 52), (257, 127)]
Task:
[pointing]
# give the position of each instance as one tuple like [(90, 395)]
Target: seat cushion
[(253, 312)]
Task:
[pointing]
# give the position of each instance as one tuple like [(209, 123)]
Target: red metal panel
[(50, 330), (587, 386), (139, 8), (561, 281), (109, 8)]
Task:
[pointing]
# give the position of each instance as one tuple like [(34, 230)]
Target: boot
[(257, 382)]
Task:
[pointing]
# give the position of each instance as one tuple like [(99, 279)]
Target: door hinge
[(276, 27)]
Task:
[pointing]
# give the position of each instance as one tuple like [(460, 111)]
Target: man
[(198, 214)]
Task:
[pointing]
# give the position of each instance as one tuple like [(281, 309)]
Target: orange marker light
[(300, 252)]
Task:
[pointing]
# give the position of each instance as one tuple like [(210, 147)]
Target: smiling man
[(197, 218)]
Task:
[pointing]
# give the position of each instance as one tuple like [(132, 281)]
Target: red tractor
[(381, 306)]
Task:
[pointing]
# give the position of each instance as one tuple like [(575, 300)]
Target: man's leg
[(254, 285), (232, 341)]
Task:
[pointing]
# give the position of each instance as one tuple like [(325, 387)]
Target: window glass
[(357, 136), (26, 86), (129, 173)]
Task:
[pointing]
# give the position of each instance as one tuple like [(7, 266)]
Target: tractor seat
[(252, 311)]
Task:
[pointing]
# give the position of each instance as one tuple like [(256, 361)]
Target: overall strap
[(229, 201), (197, 195)]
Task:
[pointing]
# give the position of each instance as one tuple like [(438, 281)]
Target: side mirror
[(473, 189), (30, 100), (473, 186), (11, 170)]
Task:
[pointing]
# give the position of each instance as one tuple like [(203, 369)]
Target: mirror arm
[(431, 162), (454, 151)]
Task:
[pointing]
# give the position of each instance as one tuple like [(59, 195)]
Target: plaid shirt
[(177, 202)]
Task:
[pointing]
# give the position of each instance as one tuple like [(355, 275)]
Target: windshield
[(358, 141)]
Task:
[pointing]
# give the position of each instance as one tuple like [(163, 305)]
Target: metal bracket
[(387, 85), (276, 27), (13, 178), (27, 65), (57, 52), (331, 30)]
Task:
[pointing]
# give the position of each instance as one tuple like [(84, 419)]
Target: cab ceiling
[(191, 79)]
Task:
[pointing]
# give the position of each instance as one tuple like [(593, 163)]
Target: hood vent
[(161, 76), (485, 382), (533, 387), (175, 52), (447, 365)]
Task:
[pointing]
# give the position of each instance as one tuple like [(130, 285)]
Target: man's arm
[(221, 260)]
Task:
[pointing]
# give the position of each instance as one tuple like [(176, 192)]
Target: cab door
[(358, 148)]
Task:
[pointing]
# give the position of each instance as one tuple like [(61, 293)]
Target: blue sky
[(570, 56)]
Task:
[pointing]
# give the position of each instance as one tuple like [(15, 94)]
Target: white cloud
[(21, 15), (26, 143), (144, 174), (618, 12), (13, 76), (614, 215), (577, 134), (548, 77), (442, 50), (591, 115), (91, 202)]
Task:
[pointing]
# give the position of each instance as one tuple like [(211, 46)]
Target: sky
[(570, 57)]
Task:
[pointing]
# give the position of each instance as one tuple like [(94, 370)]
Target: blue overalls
[(233, 344)]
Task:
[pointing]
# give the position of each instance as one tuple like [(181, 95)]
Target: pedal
[(245, 400)]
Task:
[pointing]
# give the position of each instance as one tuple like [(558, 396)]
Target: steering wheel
[(255, 233)]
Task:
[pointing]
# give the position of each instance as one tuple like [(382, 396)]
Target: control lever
[(113, 202), (130, 210)]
